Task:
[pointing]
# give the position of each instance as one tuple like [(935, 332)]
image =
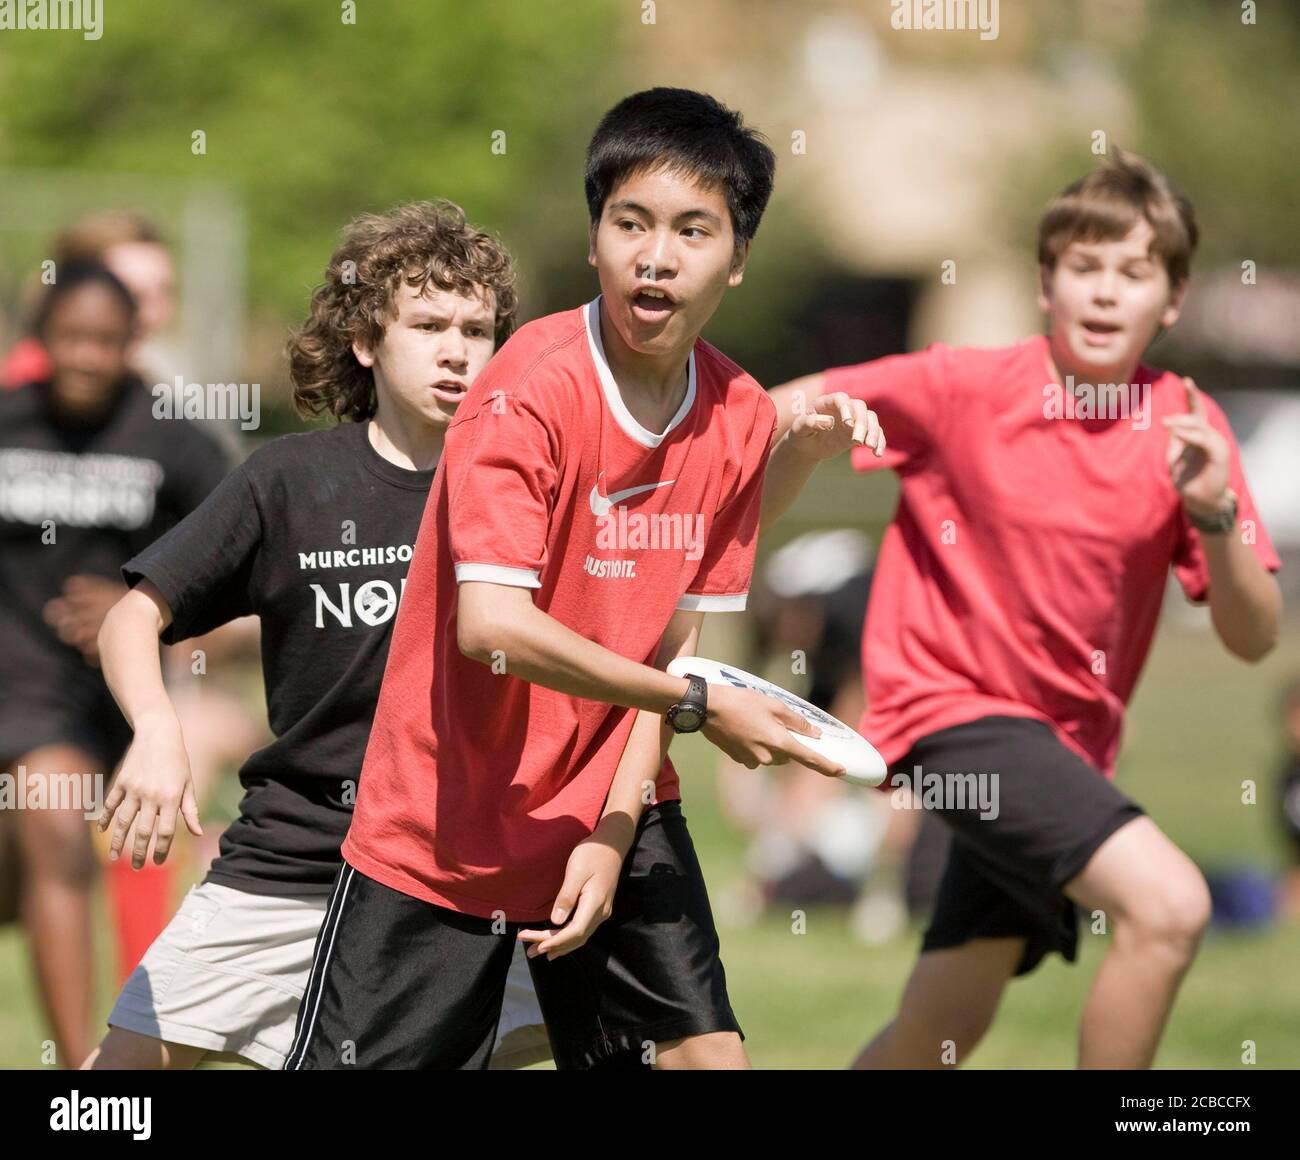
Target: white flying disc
[(842, 745)]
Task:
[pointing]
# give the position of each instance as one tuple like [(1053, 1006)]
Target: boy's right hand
[(152, 785), (754, 729)]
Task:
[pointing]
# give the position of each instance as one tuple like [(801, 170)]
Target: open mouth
[(449, 391), (652, 304), (1100, 329)]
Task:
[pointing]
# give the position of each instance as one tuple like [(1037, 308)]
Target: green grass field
[(1201, 724)]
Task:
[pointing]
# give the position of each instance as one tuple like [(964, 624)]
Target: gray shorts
[(228, 972)]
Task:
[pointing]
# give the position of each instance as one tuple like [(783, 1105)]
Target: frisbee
[(840, 744)]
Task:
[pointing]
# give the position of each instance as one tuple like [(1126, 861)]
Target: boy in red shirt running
[(1047, 488), (599, 492)]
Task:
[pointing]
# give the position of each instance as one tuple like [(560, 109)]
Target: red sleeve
[(503, 471), (1189, 559), (722, 582), (27, 362), (906, 392)]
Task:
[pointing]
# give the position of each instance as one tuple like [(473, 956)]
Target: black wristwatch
[(1220, 523), (691, 711)]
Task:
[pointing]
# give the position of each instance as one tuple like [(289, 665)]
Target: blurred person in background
[(818, 840), (219, 724), (133, 249), (88, 478), (1288, 785)]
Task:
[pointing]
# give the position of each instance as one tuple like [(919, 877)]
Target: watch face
[(686, 719)]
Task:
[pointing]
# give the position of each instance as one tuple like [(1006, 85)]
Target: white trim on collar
[(591, 317)]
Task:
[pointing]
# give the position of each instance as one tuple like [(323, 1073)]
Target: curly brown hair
[(421, 243)]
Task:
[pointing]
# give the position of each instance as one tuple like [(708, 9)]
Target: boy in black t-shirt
[(313, 534), (88, 477)]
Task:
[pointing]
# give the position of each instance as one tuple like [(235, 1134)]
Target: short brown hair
[(90, 238), (1106, 204), (421, 243)]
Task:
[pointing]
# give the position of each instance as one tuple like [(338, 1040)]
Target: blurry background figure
[(87, 478), (1289, 796), (219, 725), (133, 249), (1246, 895), (816, 840)]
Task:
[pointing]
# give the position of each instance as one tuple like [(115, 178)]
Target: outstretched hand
[(834, 424)]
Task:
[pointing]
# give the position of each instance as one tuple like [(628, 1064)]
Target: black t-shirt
[(313, 534), (81, 498)]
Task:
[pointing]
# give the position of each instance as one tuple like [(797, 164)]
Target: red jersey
[(477, 785), (1025, 568)]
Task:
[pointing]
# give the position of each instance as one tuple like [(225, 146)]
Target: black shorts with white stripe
[(399, 983)]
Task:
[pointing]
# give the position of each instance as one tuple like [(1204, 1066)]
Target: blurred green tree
[(313, 119)]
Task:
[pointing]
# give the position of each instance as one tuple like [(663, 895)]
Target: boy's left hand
[(835, 423), (586, 899), (1197, 457)]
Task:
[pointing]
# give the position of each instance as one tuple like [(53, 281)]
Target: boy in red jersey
[(599, 492), (1047, 488)]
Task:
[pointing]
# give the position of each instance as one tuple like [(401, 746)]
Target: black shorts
[(1011, 856), (84, 715), (397, 982)]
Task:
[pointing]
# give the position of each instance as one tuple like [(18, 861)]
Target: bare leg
[(1159, 905), (59, 874), (1289, 907), (716, 1051), (122, 1050), (947, 1006)]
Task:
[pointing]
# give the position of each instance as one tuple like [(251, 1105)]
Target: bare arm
[(128, 649), (500, 623), (647, 745), (591, 876), (1244, 597), (792, 398), (497, 622), (811, 426), (1245, 600), (154, 782)]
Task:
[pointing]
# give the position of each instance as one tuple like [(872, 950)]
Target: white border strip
[(733, 603), (498, 574), (622, 416), (299, 1048)]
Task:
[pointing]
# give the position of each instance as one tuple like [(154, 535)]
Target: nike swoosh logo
[(600, 504)]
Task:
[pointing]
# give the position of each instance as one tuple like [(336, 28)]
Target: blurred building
[(917, 164)]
